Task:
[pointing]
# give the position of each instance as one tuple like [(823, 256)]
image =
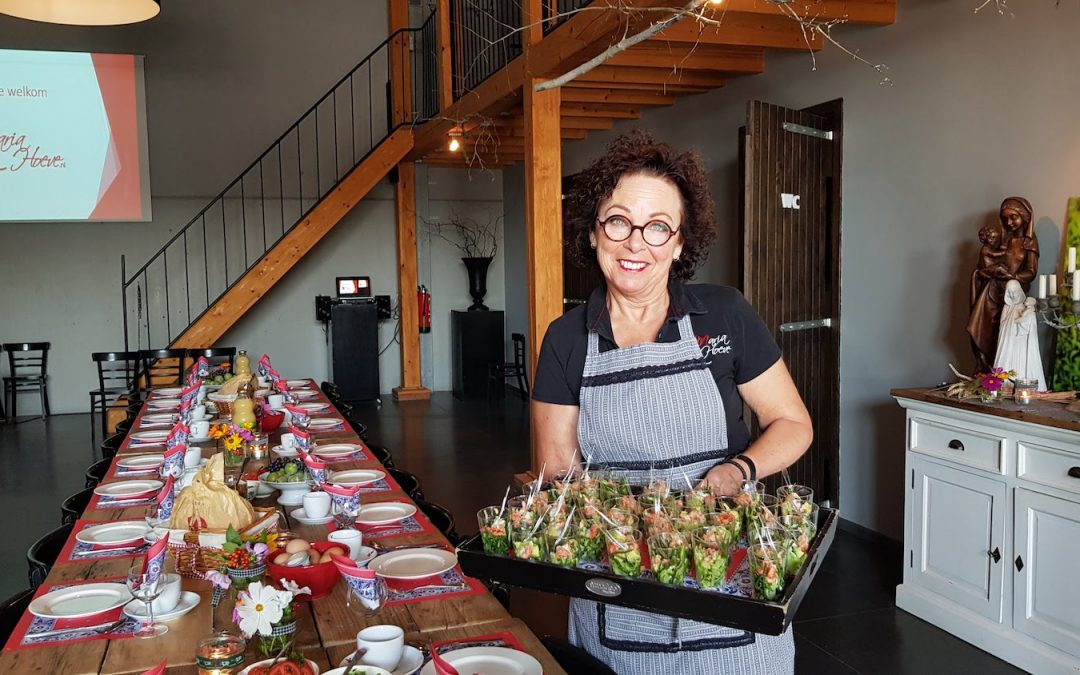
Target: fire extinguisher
[(423, 303)]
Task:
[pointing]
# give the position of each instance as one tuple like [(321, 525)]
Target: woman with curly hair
[(651, 376)]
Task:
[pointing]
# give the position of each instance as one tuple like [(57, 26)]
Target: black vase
[(478, 269)]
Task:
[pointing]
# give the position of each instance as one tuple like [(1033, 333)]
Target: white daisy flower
[(259, 613)]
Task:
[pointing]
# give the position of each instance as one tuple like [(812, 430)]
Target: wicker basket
[(196, 552), (223, 403)]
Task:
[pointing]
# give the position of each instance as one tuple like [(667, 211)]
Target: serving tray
[(710, 606)]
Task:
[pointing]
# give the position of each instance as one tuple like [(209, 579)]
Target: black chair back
[(163, 367), (96, 472), (27, 359), (215, 355), (123, 426), (111, 445), (117, 371), (382, 455), (73, 506), (44, 552), (11, 611), (520, 368), (441, 519), (409, 483)]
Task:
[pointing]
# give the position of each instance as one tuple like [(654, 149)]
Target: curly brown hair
[(638, 153)]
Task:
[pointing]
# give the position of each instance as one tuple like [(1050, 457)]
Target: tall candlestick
[(1042, 286), (1053, 285), (1076, 285), (1072, 259)]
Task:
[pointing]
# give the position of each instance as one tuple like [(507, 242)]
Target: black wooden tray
[(759, 616)]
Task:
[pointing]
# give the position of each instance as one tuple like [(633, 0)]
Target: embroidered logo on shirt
[(714, 345)]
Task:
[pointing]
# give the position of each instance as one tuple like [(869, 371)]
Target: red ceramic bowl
[(270, 421), (320, 578)]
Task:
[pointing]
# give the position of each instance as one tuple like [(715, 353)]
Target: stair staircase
[(233, 251)]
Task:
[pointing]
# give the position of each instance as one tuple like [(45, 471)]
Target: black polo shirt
[(732, 337)]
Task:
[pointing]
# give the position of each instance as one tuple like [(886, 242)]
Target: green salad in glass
[(712, 555), (669, 554), (767, 570), (493, 530), (624, 551)]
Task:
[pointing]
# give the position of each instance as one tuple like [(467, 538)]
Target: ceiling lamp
[(82, 12)]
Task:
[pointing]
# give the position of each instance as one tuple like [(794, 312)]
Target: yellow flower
[(232, 443)]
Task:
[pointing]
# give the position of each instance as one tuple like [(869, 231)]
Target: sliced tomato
[(306, 669), (257, 670), (285, 668)]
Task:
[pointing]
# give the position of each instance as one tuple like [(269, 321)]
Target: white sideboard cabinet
[(992, 526)]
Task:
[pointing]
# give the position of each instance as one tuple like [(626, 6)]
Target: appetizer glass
[(763, 516), (655, 491), (590, 537), (766, 570), (712, 555), (565, 552), (520, 513), (587, 487), (624, 551), (613, 483), (689, 520), (654, 521), (795, 499), (628, 503), (669, 553), (795, 542), (493, 530), (726, 514)]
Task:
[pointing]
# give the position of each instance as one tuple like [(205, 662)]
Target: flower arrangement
[(242, 559), (233, 437), (268, 614), (986, 386)]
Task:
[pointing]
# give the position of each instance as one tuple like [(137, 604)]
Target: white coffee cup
[(200, 429), (316, 504), (276, 401), (198, 412), (351, 538), (288, 441), (384, 645), (167, 601), (192, 457)]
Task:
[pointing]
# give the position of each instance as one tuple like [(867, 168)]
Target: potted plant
[(478, 243)]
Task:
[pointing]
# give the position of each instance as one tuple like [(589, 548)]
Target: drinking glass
[(624, 551), (146, 589), (493, 530), (669, 554), (712, 555), (795, 499)]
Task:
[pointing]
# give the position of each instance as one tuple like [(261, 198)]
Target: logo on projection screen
[(71, 138)]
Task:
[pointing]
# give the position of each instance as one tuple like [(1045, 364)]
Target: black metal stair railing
[(232, 233), (485, 36), (557, 11)]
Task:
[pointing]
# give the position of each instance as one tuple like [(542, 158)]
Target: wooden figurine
[(1011, 253)]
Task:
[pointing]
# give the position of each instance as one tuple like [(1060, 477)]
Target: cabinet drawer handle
[(956, 445), (995, 554), (1075, 472)]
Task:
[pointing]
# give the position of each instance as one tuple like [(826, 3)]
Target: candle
[(1042, 286), (1053, 285), (1076, 285), (1024, 390), (219, 654), (1072, 259)]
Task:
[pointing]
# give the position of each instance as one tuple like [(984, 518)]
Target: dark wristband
[(738, 466), (749, 465)]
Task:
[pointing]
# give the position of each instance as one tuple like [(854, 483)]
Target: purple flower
[(260, 550), (991, 383), (218, 579)]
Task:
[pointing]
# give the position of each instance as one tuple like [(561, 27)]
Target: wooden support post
[(400, 72), (543, 215), (405, 205), (532, 17), (446, 69)]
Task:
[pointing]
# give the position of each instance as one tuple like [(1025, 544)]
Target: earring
[(592, 244), (675, 257)]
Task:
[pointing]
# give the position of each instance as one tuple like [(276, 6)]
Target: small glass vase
[(241, 579), (236, 458), (990, 396), (278, 641)]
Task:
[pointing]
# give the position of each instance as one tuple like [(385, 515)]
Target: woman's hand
[(725, 479)]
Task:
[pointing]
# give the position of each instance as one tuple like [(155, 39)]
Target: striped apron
[(655, 410)]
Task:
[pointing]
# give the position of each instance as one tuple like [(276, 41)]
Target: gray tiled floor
[(464, 454)]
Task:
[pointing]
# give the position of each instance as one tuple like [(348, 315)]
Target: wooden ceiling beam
[(615, 112), (742, 30), (683, 57), (636, 98), (666, 89), (875, 12), (656, 76)]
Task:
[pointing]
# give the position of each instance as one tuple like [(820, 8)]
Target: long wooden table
[(326, 629)]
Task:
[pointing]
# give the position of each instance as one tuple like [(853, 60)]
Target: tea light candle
[(219, 654), (1024, 391)]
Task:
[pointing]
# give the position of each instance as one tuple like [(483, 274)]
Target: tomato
[(285, 668), (306, 669), (257, 670)]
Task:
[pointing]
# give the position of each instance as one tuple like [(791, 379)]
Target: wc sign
[(789, 201)]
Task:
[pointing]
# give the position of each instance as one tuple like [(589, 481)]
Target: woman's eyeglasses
[(619, 228)]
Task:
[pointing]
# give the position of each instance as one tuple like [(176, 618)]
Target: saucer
[(412, 659), (188, 601), (299, 514), (282, 451), (198, 439)]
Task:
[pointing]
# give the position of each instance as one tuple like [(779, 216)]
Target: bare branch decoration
[(473, 238)]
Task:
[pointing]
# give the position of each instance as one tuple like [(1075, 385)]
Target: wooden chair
[(28, 366), (162, 368), (11, 611), (117, 374), (409, 483), (44, 552), (440, 518), (72, 507), (217, 356), (498, 372), (95, 473)]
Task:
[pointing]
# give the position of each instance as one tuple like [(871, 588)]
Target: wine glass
[(146, 589)]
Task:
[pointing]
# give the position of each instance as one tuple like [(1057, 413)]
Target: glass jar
[(1024, 391), (242, 364), (220, 654), (243, 408)]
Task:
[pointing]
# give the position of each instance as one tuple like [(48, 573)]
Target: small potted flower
[(243, 559), (991, 384), (234, 439), (268, 615)]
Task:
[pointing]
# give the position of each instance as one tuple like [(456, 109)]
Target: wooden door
[(1046, 603), (791, 263), (958, 523)]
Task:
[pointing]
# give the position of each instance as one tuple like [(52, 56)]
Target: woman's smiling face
[(631, 267)]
